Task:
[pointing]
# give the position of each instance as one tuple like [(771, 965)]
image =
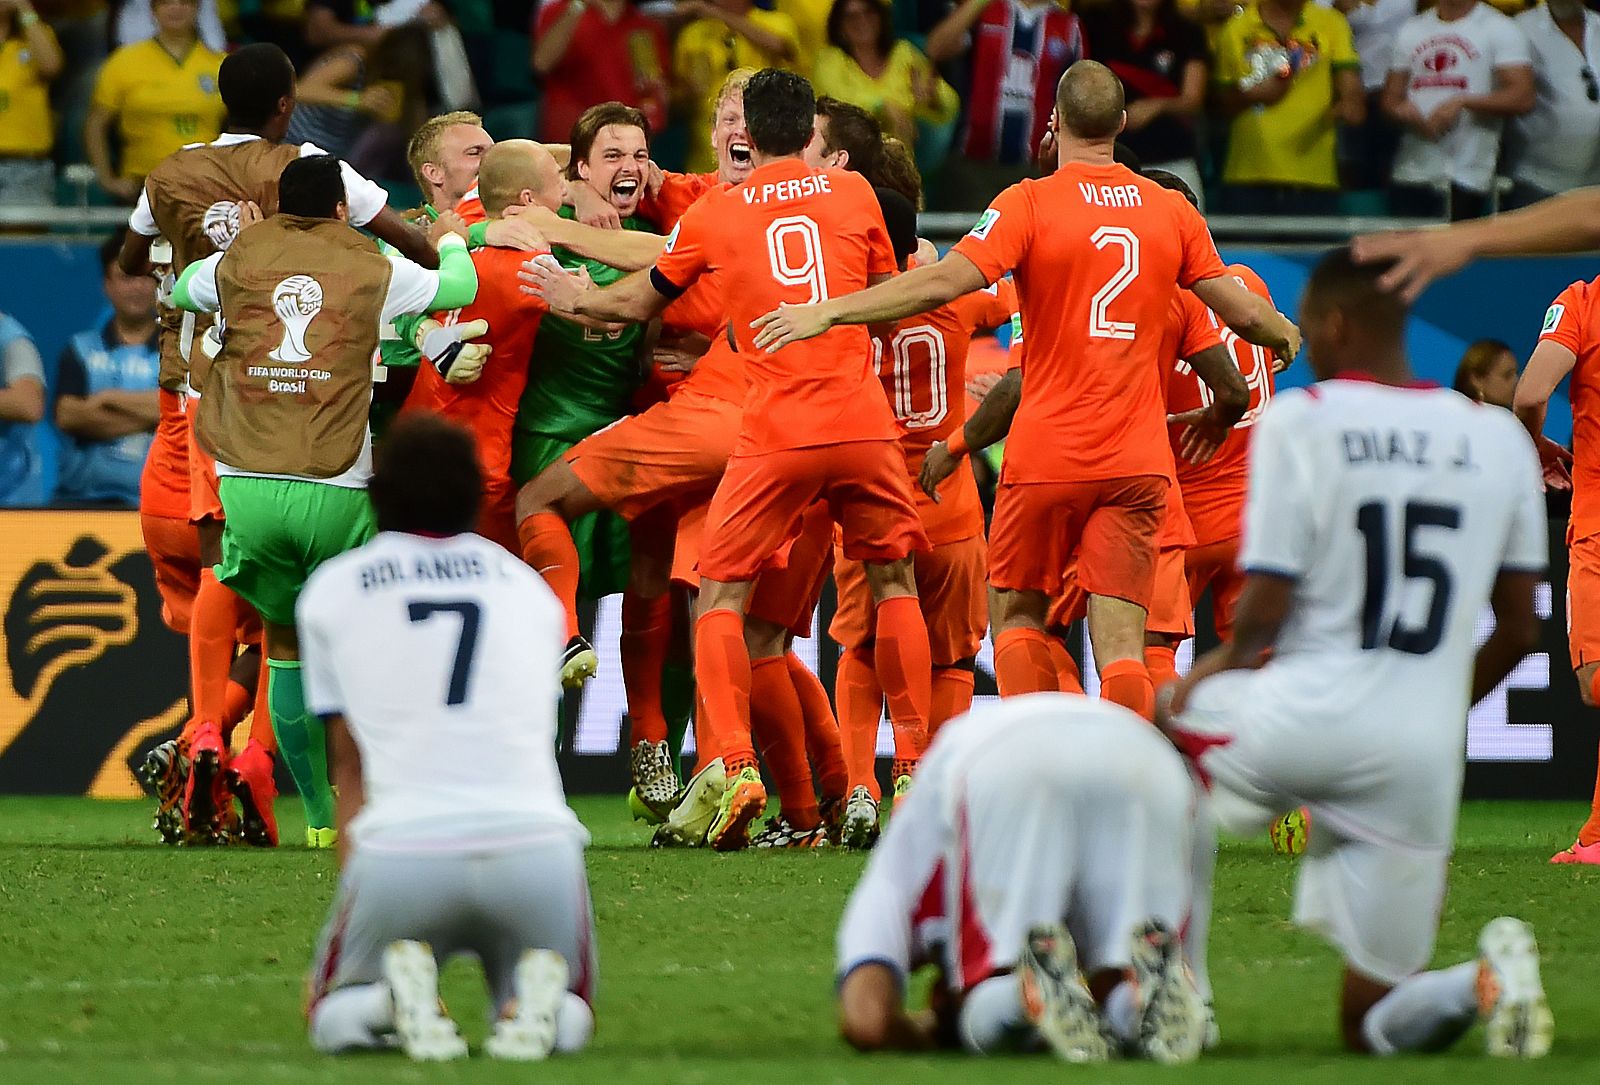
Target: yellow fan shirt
[(160, 103)]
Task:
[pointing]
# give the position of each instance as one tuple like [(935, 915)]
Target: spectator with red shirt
[(1016, 53), (589, 51), (1160, 56)]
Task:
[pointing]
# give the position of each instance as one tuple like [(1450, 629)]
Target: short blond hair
[(733, 84), (424, 144)]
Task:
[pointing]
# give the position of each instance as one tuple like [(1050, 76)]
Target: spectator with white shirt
[(1556, 146), (1457, 73)]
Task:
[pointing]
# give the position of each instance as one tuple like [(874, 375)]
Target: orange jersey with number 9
[(1098, 253), (791, 234)]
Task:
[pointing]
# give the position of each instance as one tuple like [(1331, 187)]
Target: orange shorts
[(1170, 612), (686, 548), (497, 514), (675, 451), (1216, 566), (205, 500), (164, 483), (1109, 529), (1583, 600), (788, 597), (950, 589), (762, 499), (174, 549)]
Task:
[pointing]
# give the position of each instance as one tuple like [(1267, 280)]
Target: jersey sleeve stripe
[(665, 286)]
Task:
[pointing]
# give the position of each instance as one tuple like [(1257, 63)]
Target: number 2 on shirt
[(784, 235), (1101, 326)]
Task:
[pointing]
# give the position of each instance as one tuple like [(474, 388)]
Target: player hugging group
[(709, 392)]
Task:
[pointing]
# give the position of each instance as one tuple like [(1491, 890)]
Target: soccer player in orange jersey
[(1569, 343), (922, 367), (814, 426), (516, 173), (1098, 253)]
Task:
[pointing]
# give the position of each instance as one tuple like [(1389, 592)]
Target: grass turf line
[(122, 957)]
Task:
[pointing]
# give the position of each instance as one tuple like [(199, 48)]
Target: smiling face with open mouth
[(618, 163), (731, 140)]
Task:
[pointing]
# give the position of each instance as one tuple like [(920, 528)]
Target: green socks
[(302, 741), (677, 702)]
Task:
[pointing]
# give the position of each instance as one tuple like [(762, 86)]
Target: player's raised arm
[(1250, 316), (1569, 222), (1553, 360), (633, 300), (916, 291), (627, 250), (988, 424)]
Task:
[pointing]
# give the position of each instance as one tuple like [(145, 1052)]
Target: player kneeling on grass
[(1383, 515), (1042, 864), (433, 655)]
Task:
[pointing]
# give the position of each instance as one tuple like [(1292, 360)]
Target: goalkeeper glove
[(450, 350)]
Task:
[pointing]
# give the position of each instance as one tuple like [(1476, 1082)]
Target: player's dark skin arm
[(1264, 605), (134, 256), (1208, 426), (408, 241), (344, 772), (873, 1017), (988, 424), (1516, 631)]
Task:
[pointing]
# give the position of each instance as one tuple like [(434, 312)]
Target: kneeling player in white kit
[(1043, 862), (1383, 515), (434, 654)]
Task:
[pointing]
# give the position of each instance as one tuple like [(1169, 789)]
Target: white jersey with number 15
[(1393, 510)]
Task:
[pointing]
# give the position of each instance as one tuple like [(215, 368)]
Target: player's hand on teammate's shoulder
[(789, 324), (452, 349), (654, 180), (1420, 257), (544, 277), (448, 222), (516, 232), (249, 214), (592, 209)]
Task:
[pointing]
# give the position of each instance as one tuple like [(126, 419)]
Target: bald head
[(518, 171), (1089, 102)]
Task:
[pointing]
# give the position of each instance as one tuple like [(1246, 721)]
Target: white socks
[(992, 1016), (574, 1024), (353, 1019), (1425, 1012), (1121, 1012)]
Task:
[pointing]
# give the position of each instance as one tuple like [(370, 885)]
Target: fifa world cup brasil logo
[(297, 301), (221, 223)]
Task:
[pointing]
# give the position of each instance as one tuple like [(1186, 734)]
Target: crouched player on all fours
[(433, 656), (1383, 515), (1042, 864)]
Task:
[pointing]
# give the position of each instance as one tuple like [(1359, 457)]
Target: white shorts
[(1073, 821), (492, 904), (1373, 877)]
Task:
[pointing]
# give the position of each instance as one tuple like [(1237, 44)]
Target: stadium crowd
[(1452, 108)]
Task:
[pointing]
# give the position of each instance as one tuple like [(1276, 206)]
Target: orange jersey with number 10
[(923, 369), (1214, 492), (797, 235), (1098, 253)]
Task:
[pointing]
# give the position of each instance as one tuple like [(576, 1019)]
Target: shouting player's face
[(455, 171), (618, 163), (731, 140)]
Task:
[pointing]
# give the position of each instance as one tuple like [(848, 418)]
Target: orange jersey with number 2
[(1098, 253), (797, 235)]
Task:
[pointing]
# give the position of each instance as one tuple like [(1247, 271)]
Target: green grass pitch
[(121, 960)]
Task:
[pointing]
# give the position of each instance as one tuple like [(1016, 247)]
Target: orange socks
[(261, 731), (1068, 677), (779, 726), (824, 748), (646, 638), (905, 671), (952, 695), (1022, 662), (235, 706), (212, 629), (722, 670), (1127, 683), (1590, 833), (548, 549), (860, 711), (1162, 663)]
